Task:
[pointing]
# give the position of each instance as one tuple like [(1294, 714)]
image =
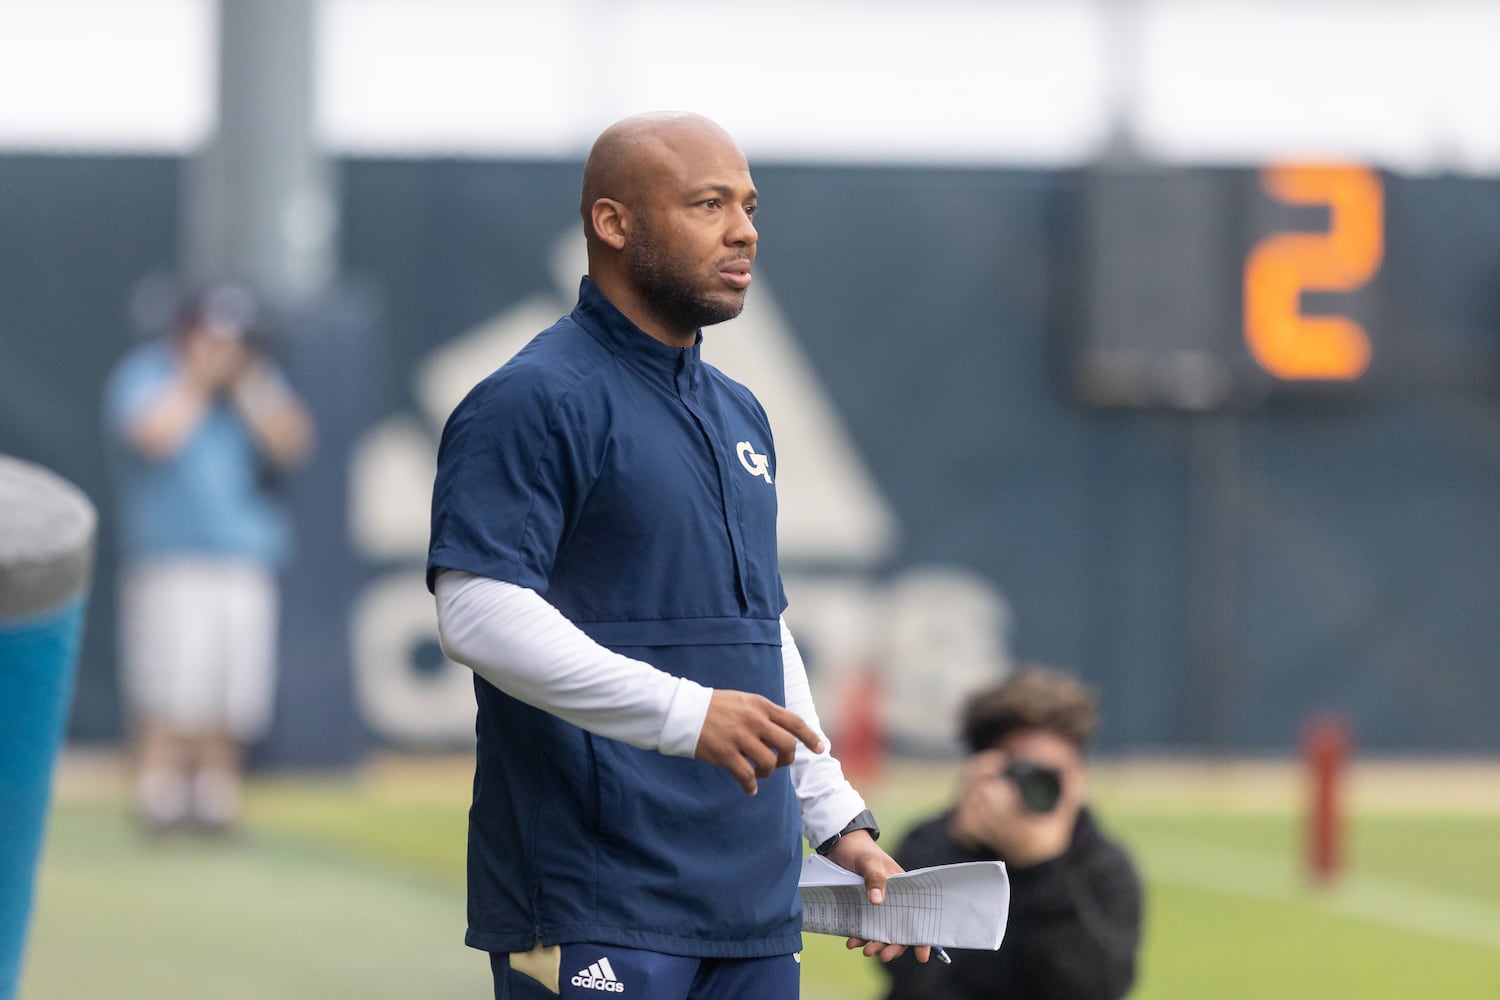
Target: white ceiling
[(1409, 84)]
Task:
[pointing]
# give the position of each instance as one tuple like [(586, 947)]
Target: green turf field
[(353, 889)]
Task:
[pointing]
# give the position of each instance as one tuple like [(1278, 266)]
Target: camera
[(1039, 786)]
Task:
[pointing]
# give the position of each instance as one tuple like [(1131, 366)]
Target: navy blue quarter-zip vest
[(632, 485)]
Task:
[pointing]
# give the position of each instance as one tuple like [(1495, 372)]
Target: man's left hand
[(857, 852)]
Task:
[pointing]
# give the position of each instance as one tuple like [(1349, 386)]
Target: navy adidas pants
[(599, 972)]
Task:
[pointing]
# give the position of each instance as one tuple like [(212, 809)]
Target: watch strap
[(864, 821)]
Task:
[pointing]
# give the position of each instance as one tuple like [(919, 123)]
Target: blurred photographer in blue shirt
[(200, 424)]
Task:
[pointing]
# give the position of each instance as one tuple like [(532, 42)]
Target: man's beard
[(667, 287)]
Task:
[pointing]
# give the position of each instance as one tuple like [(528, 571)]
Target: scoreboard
[(1204, 289)]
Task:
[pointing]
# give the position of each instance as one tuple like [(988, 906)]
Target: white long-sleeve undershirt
[(513, 638)]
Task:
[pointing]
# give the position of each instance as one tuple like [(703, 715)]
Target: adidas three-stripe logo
[(599, 976)]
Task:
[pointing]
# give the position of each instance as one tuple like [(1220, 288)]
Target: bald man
[(603, 556)]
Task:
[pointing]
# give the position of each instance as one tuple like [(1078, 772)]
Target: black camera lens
[(1040, 786)]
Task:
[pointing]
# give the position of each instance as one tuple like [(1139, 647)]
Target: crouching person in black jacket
[(1075, 905)]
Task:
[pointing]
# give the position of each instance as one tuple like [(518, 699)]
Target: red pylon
[(1325, 751), (861, 743)]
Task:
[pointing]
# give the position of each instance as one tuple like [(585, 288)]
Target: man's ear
[(611, 222)]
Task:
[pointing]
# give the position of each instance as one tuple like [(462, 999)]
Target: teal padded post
[(47, 532)]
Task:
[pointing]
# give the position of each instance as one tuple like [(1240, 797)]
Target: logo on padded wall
[(833, 515)]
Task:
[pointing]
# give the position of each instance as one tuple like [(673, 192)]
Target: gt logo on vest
[(754, 464)]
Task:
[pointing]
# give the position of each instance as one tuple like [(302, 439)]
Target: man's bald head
[(667, 208), (636, 154)]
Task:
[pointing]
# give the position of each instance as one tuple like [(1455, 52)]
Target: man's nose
[(741, 230)]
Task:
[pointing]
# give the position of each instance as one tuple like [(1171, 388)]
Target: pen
[(942, 956)]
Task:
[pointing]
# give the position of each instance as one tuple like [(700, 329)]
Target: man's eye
[(750, 210), (710, 203)]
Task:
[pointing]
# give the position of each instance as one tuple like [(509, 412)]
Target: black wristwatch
[(864, 821)]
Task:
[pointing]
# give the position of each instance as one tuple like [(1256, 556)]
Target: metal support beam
[(259, 200)]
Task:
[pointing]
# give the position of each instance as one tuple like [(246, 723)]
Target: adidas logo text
[(599, 976)]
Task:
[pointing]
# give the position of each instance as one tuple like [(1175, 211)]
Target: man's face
[(692, 242)]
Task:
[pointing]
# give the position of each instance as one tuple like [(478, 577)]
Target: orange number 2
[(1282, 340)]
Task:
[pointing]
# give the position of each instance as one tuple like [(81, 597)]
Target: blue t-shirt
[(207, 499), (632, 485)]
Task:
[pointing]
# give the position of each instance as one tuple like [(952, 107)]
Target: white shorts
[(198, 642)]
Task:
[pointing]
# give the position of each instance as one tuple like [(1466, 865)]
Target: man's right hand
[(751, 736)]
